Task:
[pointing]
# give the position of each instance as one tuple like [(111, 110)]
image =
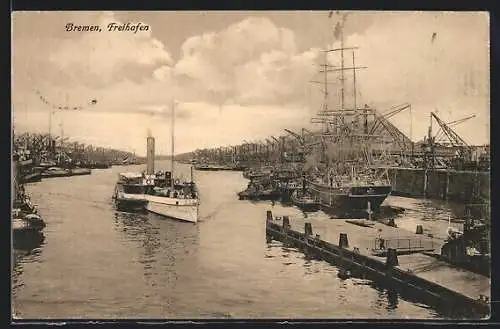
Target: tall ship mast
[(344, 182)]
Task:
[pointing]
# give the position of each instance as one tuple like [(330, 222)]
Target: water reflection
[(28, 242), (392, 299), (26, 249), (165, 246)]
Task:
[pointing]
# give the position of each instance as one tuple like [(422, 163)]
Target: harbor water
[(98, 263)]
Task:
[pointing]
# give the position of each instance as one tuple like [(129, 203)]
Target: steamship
[(169, 196), (159, 193)]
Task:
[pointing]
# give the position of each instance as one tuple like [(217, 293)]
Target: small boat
[(212, 167), (63, 172), (95, 165), (260, 190), (25, 226), (130, 192), (80, 171), (56, 172), (304, 201), (268, 194), (31, 178), (47, 164)]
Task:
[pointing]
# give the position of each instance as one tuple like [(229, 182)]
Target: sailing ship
[(346, 182), (171, 197)]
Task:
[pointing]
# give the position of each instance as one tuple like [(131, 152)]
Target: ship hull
[(206, 169), (31, 178), (306, 206), (350, 199), (180, 209), (260, 195), (130, 202)]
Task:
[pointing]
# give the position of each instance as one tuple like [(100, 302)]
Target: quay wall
[(463, 186)]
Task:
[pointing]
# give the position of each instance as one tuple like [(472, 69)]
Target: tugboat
[(470, 247), (260, 189)]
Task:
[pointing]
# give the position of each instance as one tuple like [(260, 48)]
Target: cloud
[(251, 79), (252, 61), (449, 74), (249, 62), (109, 57)]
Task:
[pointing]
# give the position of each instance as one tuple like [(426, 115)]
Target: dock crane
[(301, 144), (440, 131), (280, 142), (381, 121), (463, 149)]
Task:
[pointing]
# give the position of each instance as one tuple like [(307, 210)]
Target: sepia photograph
[(289, 165)]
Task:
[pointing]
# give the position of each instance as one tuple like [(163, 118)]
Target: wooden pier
[(357, 250)]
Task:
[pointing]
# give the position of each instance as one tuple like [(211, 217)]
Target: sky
[(241, 76)]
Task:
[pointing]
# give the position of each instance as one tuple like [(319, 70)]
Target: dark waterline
[(96, 262)]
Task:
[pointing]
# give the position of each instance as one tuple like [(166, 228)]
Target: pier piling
[(366, 261), (392, 258), (343, 242), (308, 229), (286, 222)]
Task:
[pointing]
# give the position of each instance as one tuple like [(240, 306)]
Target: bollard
[(392, 258), (286, 222), (269, 215), (420, 229), (308, 229), (343, 242)]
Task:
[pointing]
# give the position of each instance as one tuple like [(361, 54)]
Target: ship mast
[(342, 78), (356, 119), (172, 146), (337, 117)]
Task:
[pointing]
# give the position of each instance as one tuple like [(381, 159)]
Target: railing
[(400, 243)]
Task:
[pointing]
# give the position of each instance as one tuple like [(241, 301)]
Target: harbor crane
[(457, 142), (381, 122), (440, 133), (300, 149)]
